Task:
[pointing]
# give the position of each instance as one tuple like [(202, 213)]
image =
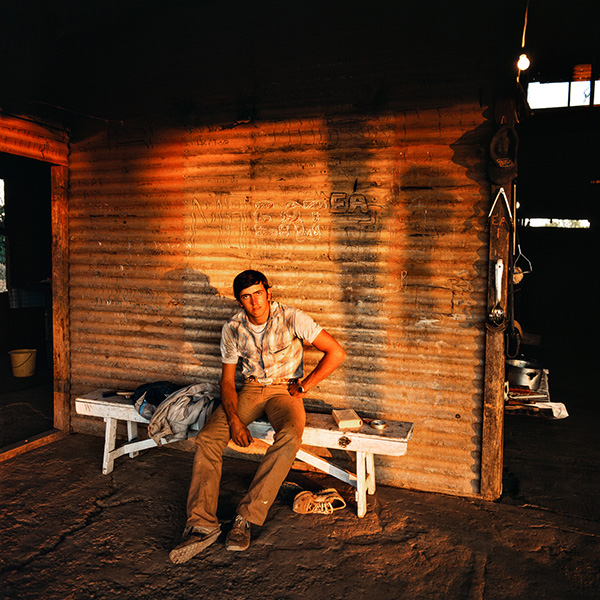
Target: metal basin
[(523, 373)]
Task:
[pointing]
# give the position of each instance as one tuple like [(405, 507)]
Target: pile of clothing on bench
[(173, 410)]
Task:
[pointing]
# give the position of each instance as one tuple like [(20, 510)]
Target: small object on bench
[(346, 418), (378, 424), (108, 394), (320, 431)]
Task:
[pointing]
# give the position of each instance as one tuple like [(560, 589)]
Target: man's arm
[(229, 398), (333, 355)]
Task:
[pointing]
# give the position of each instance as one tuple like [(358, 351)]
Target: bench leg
[(370, 468), (325, 466), (110, 438), (361, 483), (132, 435)]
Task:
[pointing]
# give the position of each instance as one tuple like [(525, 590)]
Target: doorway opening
[(26, 378)]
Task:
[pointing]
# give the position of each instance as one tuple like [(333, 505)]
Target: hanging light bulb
[(523, 62)]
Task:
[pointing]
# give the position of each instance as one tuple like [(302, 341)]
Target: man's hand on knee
[(239, 433)]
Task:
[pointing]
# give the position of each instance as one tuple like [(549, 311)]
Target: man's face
[(255, 301)]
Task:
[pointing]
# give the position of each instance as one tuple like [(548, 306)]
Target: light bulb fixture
[(523, 62)]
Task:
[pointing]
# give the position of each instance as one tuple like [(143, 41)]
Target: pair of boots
[(196, 539)]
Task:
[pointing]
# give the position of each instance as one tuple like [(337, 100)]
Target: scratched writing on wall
[(356, 209)]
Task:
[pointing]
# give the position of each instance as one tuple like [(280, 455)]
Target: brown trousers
[(286, 415)]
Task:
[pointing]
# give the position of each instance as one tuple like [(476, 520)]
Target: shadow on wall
[(199, 312), (470, 151), (356, 228)]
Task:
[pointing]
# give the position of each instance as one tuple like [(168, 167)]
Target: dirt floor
[(25, 404), (68, 532)]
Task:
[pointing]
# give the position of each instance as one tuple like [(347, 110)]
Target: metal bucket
[(523, 374)]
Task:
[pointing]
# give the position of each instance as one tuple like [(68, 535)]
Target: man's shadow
[(198, 311)]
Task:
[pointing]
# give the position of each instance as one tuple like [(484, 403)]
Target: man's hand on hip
[(294, 390)]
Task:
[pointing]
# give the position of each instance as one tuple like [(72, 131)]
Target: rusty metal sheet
[(25, 137), (373, 225)]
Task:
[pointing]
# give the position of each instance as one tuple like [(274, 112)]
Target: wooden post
[(492, 442), (60, 297), (501, 223)]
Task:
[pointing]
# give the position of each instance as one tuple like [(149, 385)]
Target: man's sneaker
[(324, 502), (238, 539), (195, 539)]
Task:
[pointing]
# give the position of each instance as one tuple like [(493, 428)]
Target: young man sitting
[(267, 337)]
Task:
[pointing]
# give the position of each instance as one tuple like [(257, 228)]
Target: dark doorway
[(26, 391), (553, 462), (559, 177)]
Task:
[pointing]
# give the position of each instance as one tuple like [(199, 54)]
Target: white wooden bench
[(320, 431)]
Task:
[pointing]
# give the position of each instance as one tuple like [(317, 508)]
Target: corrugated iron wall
[(25, 137), (373, 225)]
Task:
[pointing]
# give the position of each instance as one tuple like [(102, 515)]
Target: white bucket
[(22, 362)]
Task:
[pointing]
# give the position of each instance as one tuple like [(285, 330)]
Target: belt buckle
[(264, 380)]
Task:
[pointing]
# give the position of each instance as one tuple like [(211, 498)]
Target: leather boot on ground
[(194, 540), (238, 539)]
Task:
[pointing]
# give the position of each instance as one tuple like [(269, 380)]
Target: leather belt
[(270, 380)]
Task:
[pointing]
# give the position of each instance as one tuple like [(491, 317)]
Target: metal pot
[(523, 373)]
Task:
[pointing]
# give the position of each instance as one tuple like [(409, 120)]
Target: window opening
[(557, 223), (563, 94)]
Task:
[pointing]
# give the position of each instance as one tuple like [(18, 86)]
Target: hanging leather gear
[(502, 166)]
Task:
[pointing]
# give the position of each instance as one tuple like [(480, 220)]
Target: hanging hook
[(502, 193)]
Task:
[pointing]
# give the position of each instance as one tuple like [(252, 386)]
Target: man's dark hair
[(246, 279)]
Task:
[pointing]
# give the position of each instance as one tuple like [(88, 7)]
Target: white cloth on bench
[(183, 410)]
